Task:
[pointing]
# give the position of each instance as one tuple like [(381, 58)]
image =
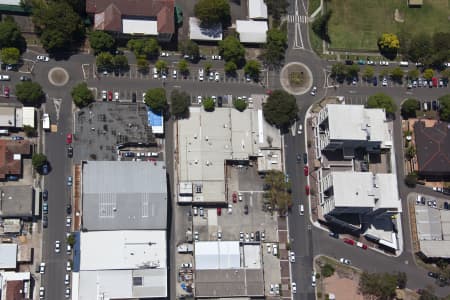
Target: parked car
[(186, 265), (69, 180), (6, 92), (384, 82), (68, 221), (196, 236), (69, 209), (41, 292), (67, 292), (344, 261), (5, 77), (57, 246), (70, 152), (110, 96), (67, 279), (45, 221), (446, 205), (219, 235), (17, 138), (361, 245), (116, 96), (241, 236), (349, 241), (42, 58), (42, 267), (68, 266), (45, 169), (45, 195), (305, 158), (45, 208), (219, 211), (433, 275), (201, 212), (234, 197), (306, 170), (246, 209), (294, 288), (230, 208), (292, 257), (307, 190), (25, 78)]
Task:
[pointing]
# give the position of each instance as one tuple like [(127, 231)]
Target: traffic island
[(296, 78), (58, 76)]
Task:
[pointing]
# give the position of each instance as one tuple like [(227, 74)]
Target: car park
[(57, 246), (42, 58), (294, 287), (344, 261), (69, 180)]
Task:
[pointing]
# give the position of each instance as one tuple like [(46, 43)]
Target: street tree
[(10, 56), (252, 68), (104, 61), (320, 26), (211, 12), (209, 104), (240, 104), (383, 73), (388, 43), (277, 194), (411, 180), (444, 111), (183, 67), (413, 74), (419, 48), (161, 66), (380, 285), (338, 72), (232, 50), (10, 35), (409, 108), (82, 95), (230, 68), (120, 62), (276, 8), (190, 48), (101, 41), (368, 73), (58, 25), (148, 48), (397, 74), (142, 64), (275, 47), (156, 99), (327, 270), (445, 74), (352, 71), (207, 66), (38, 160), (410, 152), (179, 104), (30, 93), (280, 109), (381, 100), (30, 131), (428, 74)]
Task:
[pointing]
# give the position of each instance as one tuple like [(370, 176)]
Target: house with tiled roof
[(134, 17), (11, 154), (433, 150)]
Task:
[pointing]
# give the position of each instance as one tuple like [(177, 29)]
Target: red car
[(307, 190), (6, 92), (219, 211), (306, 170), (234, 197), (110, 96), (361, 245), (349, 241), (69, 139)]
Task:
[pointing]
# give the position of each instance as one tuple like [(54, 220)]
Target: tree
[(10, 35), (280, 109), (38, 160), (120, 62), (58, 25), (156, 99), (409, 108), (179, 103), (161, 66), (105, 61), (320, 26), (381, 100), (252, 68), (428, 74), (444, 112), (275, 47), (240, 104), (379, 285), (338, 72), (410, 152), (413, 74), (10, 56), (419, 48), (277, 193), (29, 131), (211, 12), (352, 71), (101, 41), (144, 47), (183, 67), (142, 64), (327, 270), (30, 93), (208, 66), (277, 8), (368, 73), (445, 74), (81, 95), (71, 240), (389, 44), (209, 104), (397, 74), (402, 279), (232, 50), (411, 180), (441, 49), (190, 48), (230, 68)]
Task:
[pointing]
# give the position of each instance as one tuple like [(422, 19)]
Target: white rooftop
[(197, 32), (10, 2), (215, 255), (135, 26), (364, 189), (8, 256), (252, 31), (257, 9), (362, 120)]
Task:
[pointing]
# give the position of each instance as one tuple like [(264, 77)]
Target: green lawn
[(357, 24), (312, 6)]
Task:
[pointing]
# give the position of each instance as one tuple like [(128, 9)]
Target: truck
[(46, 122), (185, 248)]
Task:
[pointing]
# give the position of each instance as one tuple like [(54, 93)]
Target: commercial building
[(16, 201), (432, 150), (15, 285), (207, 141), (257, 10), (8, 256), (366, 128), (197, 32), (252, 32), (145, 17), (156, 122)]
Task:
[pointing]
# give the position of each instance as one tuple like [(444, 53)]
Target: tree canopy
[(156, 99), (209, 104), (240, 104), (211, 12), (397, 74), (277, 8), (428, 74), (409, 107), (338, 72), (420, 48), (81, 95), (190, 48), (179, 103), (101, 41), (58, 25), (368, 73), (230, 68), (277, 193), (183, 67), (148, 48), (381, 285), (142, 64), (104, 61), (10, 56), (444, 111), (320, 26), (161, 66), (381, 100), (30, 93), (120, 62), (10, 35), (280, 109), (388, 43), (232, 50), (275, 47), (38, 160), (252, 68)]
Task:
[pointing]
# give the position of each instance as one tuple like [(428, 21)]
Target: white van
[(301, 209), (313, 279), (275, 250), (404, 64)]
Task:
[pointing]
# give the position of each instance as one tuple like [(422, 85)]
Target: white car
[(42, 267), (199, 99), (247, 237), (371, 63), (143, 97), (230, 208), (345, 261), (247, 78), (219, 235), (240, 196), (57, 246), (165, 54), (67, 279), (67, 292), (241, 236), (42, 58), (216, 57), (41, 292), (292, 257), (68, 221), (186, 265), (217, 76), (269, 248), (174, 74), (116, 96), (195, 210), (200, 74), (294, 288), (155, 73), (313, 91), (104, 95), (300, 129), (68, 266), (384, 83), (196, 236)]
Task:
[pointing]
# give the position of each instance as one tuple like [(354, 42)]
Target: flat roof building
[(257, 9), (199, 33), (8, 256), (252, 32), (124, 195), (16, 201)]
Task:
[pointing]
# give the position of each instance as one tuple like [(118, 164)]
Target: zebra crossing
[(297, 19)]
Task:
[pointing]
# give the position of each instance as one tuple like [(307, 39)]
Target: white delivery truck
[(46, 122)]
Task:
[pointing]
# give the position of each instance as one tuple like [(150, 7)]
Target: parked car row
[(352, 243), (256, 236)]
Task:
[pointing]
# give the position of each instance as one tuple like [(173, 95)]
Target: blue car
[(375, 81), (45, 169), (69, 180)]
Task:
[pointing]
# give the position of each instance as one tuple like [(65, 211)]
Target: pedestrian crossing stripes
[(297, 19)]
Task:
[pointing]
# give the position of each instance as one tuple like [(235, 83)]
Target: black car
[(45, 221), (45, 208), (433, 275), (446, 205), (45, 169), (219, 101), (305, 158), (45, 195), (68, 209), (349, 62), (70, 152), (375, 81), (246, 209), (257, 236), (133, 97), (299, 158)]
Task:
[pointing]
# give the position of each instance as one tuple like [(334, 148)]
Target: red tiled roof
[(110, 13), (13, 290), (7, 150)]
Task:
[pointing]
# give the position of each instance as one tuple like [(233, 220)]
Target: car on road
[(45, 195), (42, 292), (67, 292), (300, 129), (110, 96), (69, 152), (246, 209), (69, 180), (69, 138), (234, 197), (68, 221), (349, 241), (68, 209), (17, 138), (42, 58), (361, 245), (57, 246), (216, 76), (299, 158), (313, 91), (42, 267), (195, 210), (104, 95), (313, 279), (307, 190), (433, 275), (333, 234), (294, 288), (230, 208), (241, 236), (292, 257), (219, 211), (45, 208), (45, 221), (68, 266), (6, 92), (25, 78), (45, 169), (305, 158), (306, 170), (5, 77), (344, 261)]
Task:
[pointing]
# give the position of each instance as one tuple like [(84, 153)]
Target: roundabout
[(296, 78), (58, 76)]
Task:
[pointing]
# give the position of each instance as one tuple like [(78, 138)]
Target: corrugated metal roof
[(214, 255), (8, 256), (257, 9), (252, 31)]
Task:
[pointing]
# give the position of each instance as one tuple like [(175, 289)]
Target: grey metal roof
[(124, 195)]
